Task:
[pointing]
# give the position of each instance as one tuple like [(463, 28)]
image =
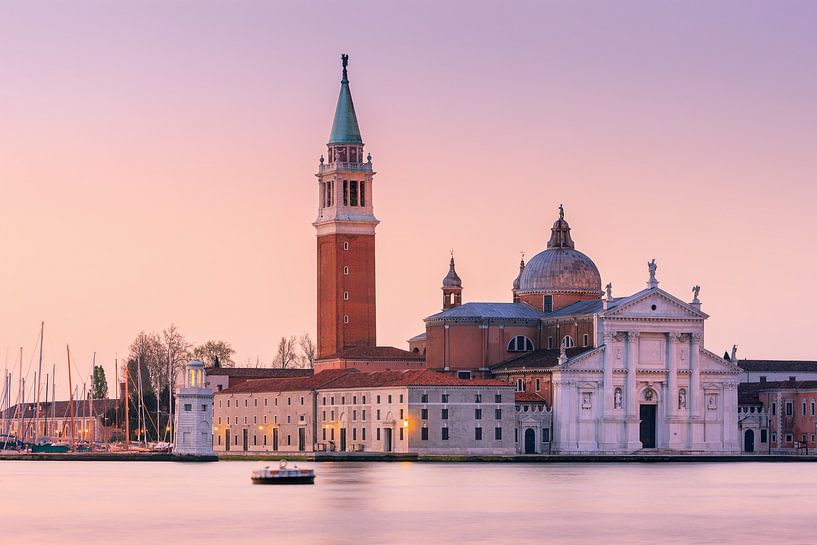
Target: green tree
[(100, 385)]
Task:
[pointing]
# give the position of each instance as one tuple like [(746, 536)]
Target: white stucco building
[(650, 384)]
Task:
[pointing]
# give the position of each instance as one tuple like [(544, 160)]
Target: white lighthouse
[(194, 413)]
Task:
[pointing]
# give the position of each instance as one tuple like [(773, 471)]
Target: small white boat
[(283, 475)]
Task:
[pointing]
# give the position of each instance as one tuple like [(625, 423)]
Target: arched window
[(520, 385), (567, 342), (585, 339), (520, 343), (550, 343)]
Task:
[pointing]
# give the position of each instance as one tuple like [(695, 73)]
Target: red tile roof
[(749, 392), (537, 359), (258, 372), (254, 386), (529, 397), (411, 377), (377, 353)]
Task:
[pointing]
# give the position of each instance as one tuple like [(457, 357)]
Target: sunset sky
[(157, 161)]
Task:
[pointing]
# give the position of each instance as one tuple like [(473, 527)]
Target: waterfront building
[(194, 413), (93, 420), (269, 415), (345, 228), (753, 419), (776, 370), (534, 422), (416, 411), (790, 416)]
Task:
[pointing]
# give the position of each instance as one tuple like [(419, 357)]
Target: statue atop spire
[(561, 212)]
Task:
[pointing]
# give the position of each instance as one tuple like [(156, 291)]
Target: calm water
[(409, 503)]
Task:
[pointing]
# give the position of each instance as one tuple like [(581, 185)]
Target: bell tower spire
[(345, 234)]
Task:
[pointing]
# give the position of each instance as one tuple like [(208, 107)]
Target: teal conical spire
[(344, 128)]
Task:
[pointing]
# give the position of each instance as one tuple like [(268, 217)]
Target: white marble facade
[(649, 384)]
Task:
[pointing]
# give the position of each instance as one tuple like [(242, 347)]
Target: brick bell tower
[(345, 231)]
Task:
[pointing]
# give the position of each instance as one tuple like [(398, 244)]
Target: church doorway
[(647, 413), (749, 441), (530, 441)]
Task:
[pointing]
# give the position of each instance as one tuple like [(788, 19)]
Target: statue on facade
[(609, 289), (734, 356), (617, 399), (586, 401), (712, 404), (682, 399), (695, 291)]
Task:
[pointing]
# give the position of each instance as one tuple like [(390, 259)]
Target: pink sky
[(157, 161)]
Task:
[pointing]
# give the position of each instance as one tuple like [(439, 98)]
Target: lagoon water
[(409, 503)]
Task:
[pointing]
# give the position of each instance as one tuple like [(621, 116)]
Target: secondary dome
[(561, 268)]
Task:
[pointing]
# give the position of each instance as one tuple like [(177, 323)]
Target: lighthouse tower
[(194, 413), (345, 234)]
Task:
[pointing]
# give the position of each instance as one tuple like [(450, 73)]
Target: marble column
[(696, 394), (607, 435), (632, 420), (675, 437)]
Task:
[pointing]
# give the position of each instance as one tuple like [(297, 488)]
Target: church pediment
[(714, 364), (588, 361), (654, 304)]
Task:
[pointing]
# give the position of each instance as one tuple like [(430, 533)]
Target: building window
[(445, 398), (550, 343), (774, 410), (445, 414), (345, 192), (424, 398), (520, 385), (354, 415), (464, 375), (345, 295), (423, 414), (498, 434), (345, 269), (792, 379), (362, 193), (445, 434), (478, 434), (289, 439), (774, 437), (789, 408), (520, 343), (498, 414), (567, 341), (353, 193), (585, 339), (343, 400), (364, 400), (478, 398), (763, 436), (204, 407), (477, 414), (354, 400), (498, 398), (762, 379), (363, 415), (804, 408), (345, 318), (401, 414), (378, 414), (548, 303), (187, 407), (354, 434), (789, 438), (378, 434), (424, 434), (389, 398), (363, 434), (538, 384), (546, 435), (401, 433), (812, 408), (378, 399), (346, 246)]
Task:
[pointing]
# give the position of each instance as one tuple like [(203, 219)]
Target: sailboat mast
[(71, 401), (143, 423), (20, 397), (91, 396), (127, 408), (54, 392), (39, 378), (45, 419), (116, 406)]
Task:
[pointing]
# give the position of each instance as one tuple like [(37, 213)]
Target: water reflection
[(408, 503)]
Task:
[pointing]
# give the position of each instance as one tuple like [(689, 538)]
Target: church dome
[(561, 268)]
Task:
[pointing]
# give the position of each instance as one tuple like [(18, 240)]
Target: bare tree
[(215, 351), (177, 350), (148, 349), (286, 357), (308, 350)]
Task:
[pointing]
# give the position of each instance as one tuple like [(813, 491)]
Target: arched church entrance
[(647, 413), (530, 441), (749, 441)]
